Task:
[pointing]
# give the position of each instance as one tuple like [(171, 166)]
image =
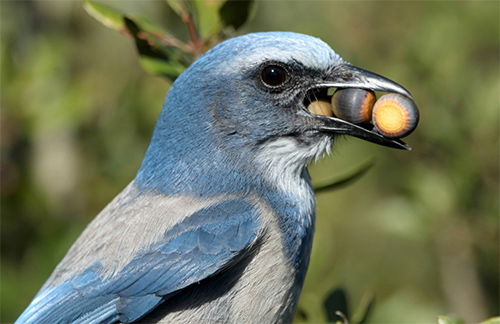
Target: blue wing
[(200, 246)]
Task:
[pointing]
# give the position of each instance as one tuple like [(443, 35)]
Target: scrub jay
[(218, 223)]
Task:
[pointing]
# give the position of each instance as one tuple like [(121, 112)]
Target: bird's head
[(249, 94)]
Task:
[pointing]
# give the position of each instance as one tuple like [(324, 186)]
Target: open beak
[(348, 76)]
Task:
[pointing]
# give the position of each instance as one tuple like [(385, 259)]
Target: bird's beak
[(348, 76)]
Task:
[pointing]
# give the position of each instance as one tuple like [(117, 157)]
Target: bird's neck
[(195, 170), (282, 163)]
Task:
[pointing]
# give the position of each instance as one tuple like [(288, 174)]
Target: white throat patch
[(283, 162)]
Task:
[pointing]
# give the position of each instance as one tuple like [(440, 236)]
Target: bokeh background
[(420, 231)]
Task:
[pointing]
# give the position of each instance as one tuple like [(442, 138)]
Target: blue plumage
[(198, 247), (217, 226)]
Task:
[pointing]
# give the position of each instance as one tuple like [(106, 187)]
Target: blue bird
[(217, 225)]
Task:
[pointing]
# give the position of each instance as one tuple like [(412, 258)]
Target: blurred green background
[(420, 231)]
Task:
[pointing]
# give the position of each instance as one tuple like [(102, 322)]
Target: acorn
[(320, 107), (353, 105), (395, 115)]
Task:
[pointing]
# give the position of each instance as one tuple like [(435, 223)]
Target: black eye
[(273, 75)]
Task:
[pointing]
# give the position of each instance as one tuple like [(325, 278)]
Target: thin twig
[(170, 40), (196, 43)]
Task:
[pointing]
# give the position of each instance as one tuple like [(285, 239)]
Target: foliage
[(449, 320), (344, 179), (493, 320), (208, 22), (419, 229), (337, 310)]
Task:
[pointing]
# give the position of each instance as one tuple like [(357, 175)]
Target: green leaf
[(107, 16), (364, 311), (235, 13), (160, 53), (155, 57), (336, 301), (144, 44), (147, 25), (169, 69), (207, 17), (449, 320), (493, 320), (301, 315), (180, 7), (345, 179), (158, 37)]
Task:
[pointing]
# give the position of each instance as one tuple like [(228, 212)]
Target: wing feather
[(199, 246)]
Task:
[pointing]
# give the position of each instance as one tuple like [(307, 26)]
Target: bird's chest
[(270, 285), (264, 286)]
